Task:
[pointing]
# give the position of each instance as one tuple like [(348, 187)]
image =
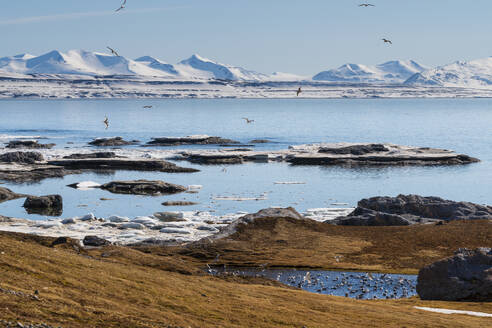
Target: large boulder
[(45, 205), (467, 276), (95, 241), (27, 157), (411, 209), (143, 187)]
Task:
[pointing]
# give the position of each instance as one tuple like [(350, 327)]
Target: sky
[(296, 36)]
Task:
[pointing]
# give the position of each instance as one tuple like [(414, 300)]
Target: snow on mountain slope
[(78, 62), (390, 72), (472, 74), (157, 64), (200, 67)]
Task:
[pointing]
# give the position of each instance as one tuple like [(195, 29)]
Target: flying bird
[(299, 91), (366, 5), (147, 106), (106, 122), (248, 120), (113, 51), (387, 41), (122, 6)]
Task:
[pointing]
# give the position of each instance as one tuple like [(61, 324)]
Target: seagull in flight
[(387, 41), (106, 122), (122, 6), (366, 5), (248, 120), (113, 51), (147, 106), (299, 91)]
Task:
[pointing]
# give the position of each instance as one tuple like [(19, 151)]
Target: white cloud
[(49, 18)]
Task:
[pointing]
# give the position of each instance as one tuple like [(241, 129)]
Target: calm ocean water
[(464, 125)]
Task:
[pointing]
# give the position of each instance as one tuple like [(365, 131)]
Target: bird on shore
[(248, 121), (387, 41), (113, 51), (106, 122), (147, 106), (299, 91), (366, 5), (122, 6)]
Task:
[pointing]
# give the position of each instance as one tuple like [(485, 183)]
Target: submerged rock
[(51, 205), (27, 157), (29, 144), (179, 203), (112, 142), (7, 194), (412, 209), (467, 276), (190, 140), (259, 141), (143, 187)]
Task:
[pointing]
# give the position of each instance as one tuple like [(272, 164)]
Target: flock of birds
[(247, 120), (354, 285)]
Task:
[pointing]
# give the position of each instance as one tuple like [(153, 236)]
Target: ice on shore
[(446, 311), (193, 225)]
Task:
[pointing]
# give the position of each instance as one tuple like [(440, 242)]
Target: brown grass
[(122, 287), (289, 242)]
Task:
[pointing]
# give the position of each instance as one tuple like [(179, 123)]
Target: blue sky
[(302, 37)]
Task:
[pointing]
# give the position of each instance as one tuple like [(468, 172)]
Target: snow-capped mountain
[(390, 72), (80, 62), (198, 66), (473, 74), (77, 62)]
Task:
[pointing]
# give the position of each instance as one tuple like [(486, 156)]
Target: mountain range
[(473, 74)]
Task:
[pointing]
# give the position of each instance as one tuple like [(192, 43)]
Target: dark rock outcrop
[(7, 194), (143, 187), (179, 203), (112, 142), (412, 209), (51, 205), (95, 241), (28, 157), (366, 217), (467, 276), (355, 149), (29, 144), (121, 164), (214, 159), (106, 154), (190, 140), (34, 173)]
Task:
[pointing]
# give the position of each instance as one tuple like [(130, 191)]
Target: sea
[(463, 125)]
